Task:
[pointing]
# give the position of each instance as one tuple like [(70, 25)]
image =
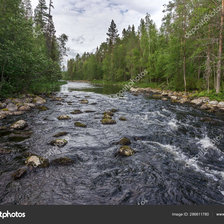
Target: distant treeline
[(186, 53), (30, 52)]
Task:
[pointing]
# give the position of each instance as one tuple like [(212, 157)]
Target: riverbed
[(179, 155)]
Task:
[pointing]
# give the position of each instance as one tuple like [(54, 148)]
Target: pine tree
[(112, 34), (41, 15)]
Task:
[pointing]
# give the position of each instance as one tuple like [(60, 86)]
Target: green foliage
[(173, 56), (25, 62)]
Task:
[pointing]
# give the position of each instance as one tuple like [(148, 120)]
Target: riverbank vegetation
[(185, 54), (30, 53)]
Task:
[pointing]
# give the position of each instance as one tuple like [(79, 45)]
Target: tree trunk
[(208, 63), (184, 64), (219, 65)]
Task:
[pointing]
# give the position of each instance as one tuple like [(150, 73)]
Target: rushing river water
[(179, 153)]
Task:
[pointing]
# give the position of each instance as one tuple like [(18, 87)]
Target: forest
[(30, 52), (184, 54)]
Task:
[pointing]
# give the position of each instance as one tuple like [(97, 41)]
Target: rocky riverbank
[(203, 103), (18, 106)]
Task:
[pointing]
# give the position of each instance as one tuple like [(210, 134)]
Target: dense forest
[(30, 52), (186, 53)]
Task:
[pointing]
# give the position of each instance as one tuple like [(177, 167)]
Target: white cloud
[(86, 21)]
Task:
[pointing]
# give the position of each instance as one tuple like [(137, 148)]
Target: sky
[(86, 22)]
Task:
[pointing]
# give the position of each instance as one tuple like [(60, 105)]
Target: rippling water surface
[(179, 153)]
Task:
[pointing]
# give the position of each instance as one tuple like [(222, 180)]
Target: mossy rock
[(59, 142), (125, 141), (60, 134), (123, 119), (80, 125), (126, 151), (90, 111), (108, 113), (62, 161), (19, 125), (106, 121), (5, 109), (84, 101), (114, 110), (42, 108), (37, 161), (19, 173), (64, 117), (77, 112)]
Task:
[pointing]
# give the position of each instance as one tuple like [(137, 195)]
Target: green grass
[(212, 95)]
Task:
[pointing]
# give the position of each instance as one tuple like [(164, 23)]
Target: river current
[(179, 157)]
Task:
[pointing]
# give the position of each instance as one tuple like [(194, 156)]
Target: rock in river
[(19, 125), (80, 125), (84, 101), (126, 151), (64, 117), (37, 161), (19, 173), (77, 112), (125, 141), (122, 119), (108, 121), (39, 100), (62, 161), (59, 142), (60, 134)]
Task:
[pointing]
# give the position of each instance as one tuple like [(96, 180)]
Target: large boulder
[(24, 108), (38, 100), (37, 161), (221, 105), (126, 151), (12, 107), (19, 125)]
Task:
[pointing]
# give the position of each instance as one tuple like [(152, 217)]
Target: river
[(179, 155)]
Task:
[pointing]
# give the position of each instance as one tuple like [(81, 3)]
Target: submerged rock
[(126, 151), (108, 121), (77, 112), (90, 111), (125, 141), (60, 134), (19, 173), (81, 125), (37, 161), (123, 119), (114, 110), (59, 142), (42, 108), (19, 125), (64, 117), (62, 161)]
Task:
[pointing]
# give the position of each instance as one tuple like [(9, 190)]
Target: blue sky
[(86, 21)]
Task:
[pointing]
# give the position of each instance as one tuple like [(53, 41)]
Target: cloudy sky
[(86, 21)]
